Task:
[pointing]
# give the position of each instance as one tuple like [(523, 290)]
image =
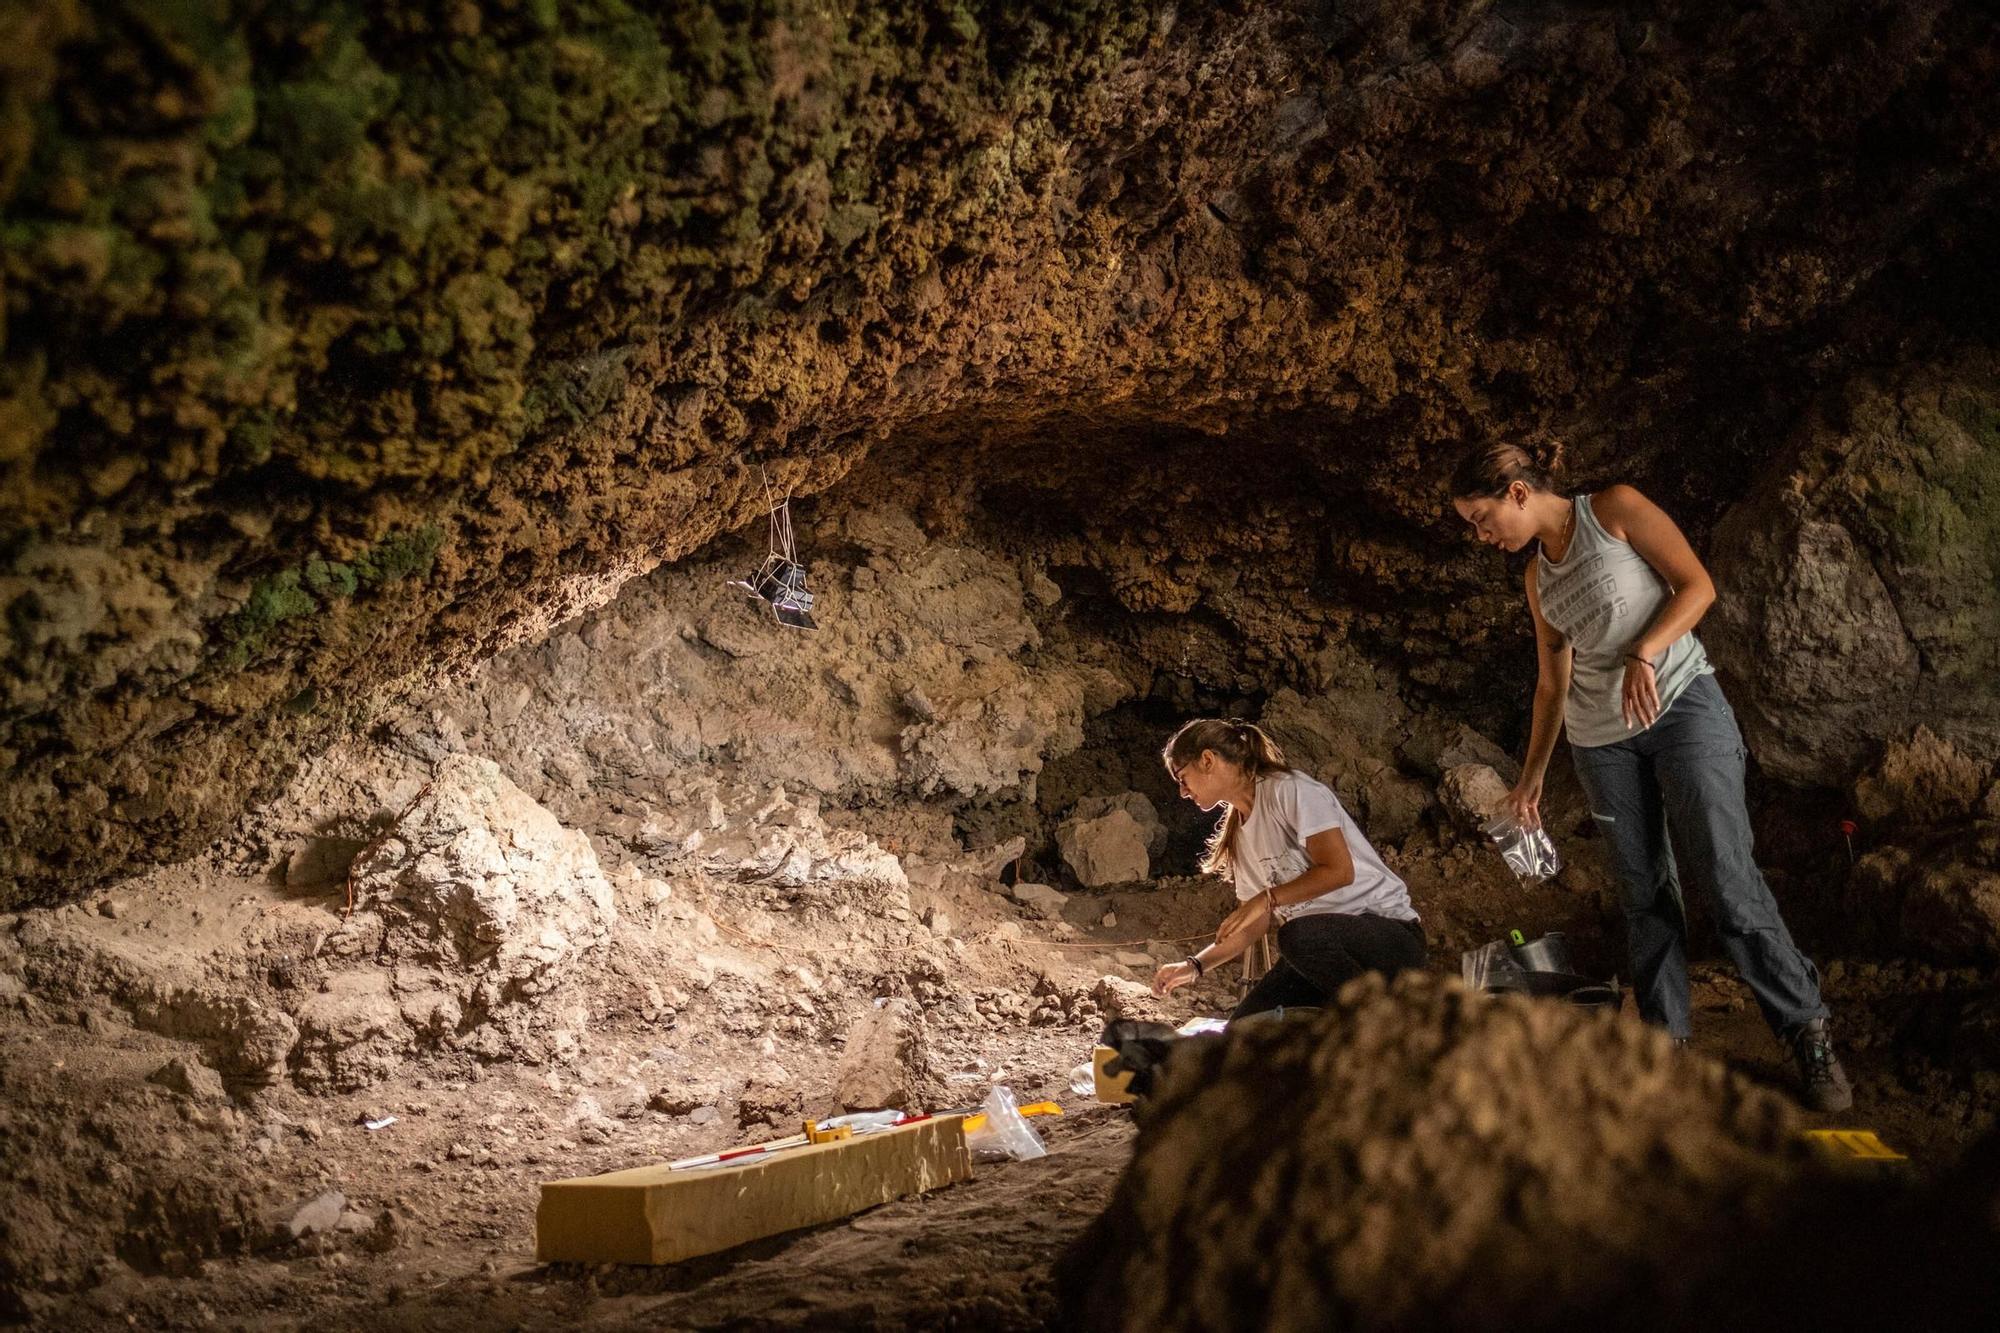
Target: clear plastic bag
[(1490, 967), (1006, 1132), (1529, 853)]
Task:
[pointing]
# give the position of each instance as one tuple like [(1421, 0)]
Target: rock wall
[(1858, 578), (929, 677), (349, 344)]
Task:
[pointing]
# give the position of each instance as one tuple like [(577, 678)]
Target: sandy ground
[(170, 1189)]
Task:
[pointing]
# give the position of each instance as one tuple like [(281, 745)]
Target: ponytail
[(1244, 744)]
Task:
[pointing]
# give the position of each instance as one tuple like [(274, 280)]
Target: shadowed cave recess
[(390, 392)]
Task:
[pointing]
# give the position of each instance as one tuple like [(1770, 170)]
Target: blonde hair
[(1244, 744)]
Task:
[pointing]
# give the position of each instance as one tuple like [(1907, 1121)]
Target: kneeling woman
[(1297, 858)]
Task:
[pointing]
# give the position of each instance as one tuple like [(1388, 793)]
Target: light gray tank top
[(1601, 598)]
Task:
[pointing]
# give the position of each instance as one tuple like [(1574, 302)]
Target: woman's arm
[(1631, 517), (1332, 868), (1229, 945), (1553, 661)]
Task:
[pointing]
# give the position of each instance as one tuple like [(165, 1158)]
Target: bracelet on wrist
[(1646, 662), (1195, 962)]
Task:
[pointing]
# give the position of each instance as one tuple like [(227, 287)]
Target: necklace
[(1568, 525)]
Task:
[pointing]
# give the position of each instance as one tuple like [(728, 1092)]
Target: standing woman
[(1616, 591), (1297, 859)]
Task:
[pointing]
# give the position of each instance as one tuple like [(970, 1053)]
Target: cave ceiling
[(348, 344)]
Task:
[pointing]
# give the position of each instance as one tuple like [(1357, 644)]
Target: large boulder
[(1425, 1157), (1392, 805), (1134, 804), (1109, 849), (476, 877), (1856, 580), (485, 905)]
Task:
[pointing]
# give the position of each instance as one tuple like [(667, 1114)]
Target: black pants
[(1320, 953)]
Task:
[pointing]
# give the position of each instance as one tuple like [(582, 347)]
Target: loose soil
[(131, 1203)]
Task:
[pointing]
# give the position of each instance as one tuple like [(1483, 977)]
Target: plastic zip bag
[(1490, 966), (1006, 1132), (1529, 853)]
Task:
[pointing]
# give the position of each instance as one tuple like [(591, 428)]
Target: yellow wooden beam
[(657, 1215)]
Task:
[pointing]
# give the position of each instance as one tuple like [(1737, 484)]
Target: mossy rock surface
[(343, 340)]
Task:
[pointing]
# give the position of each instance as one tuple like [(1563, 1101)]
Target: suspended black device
[(781, 580)]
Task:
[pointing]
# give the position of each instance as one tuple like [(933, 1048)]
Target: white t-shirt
[(1271, 850)]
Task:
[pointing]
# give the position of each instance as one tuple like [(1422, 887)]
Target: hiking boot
[(1823, 1082)]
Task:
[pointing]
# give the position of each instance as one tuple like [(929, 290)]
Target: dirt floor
[(136, 1204)]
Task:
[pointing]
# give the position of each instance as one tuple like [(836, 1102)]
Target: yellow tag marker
[(1857, 1145), (831, 1134), (977, 1120)]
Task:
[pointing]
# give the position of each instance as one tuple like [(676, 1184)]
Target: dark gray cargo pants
[(1685, 772)]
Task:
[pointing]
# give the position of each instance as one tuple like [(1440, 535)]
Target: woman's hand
[(1524, 804), (1172, 977), (1249, 921), (1641, 702)]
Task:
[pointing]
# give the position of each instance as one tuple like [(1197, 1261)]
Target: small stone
[(685, 1095), (1040, 898), (314, 1215), (883, 1064), (190, 1079), (704, 1115), (771, 1098), (1131, 958), (1110, 919), (1119, 998)]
